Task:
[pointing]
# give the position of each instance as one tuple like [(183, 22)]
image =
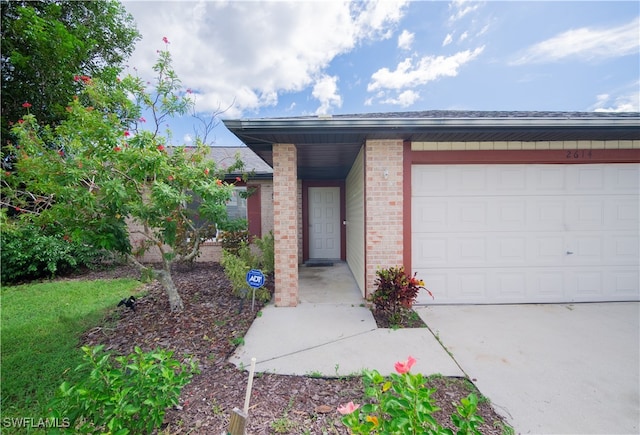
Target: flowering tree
[(105, 167)]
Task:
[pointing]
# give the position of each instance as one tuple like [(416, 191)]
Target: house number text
[(579, 154)]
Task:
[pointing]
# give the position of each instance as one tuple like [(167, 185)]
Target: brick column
[(285, 224), (383, 207)]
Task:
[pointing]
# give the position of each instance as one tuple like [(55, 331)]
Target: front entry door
[(324, 222)]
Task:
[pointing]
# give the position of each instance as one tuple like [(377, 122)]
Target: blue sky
[(286, 58)]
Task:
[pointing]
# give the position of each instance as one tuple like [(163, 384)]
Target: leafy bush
[(401, 404), (395, 290), (236, 268), (232, 240), (266, 245), (238, 262), (28, 253), (122, 395)]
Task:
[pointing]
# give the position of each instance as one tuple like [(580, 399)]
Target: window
[(237, 205)]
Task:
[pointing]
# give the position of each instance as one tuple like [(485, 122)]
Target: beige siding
[(517, 145), (299, 202), (354, 192)]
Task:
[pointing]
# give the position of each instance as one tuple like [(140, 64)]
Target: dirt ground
[(210, 327)]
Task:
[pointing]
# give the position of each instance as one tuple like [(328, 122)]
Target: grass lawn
[(40, 326)]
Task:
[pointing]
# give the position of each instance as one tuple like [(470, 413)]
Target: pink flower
[(348, 408), (26, 105), (206, 171), (165, 40), (141, 119), (116, 149), (160, 148), (403, 367), (127, 134), (219, 182), (189, 90), (20, 121), (238, 179)]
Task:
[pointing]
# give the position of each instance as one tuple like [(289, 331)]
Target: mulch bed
[(209, 328)]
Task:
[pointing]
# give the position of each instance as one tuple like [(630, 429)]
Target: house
[(487, 207)]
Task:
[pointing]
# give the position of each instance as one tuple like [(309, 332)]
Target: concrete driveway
[(550, 369)]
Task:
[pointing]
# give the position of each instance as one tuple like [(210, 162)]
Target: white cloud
[(405, 40), (460, 8), (447, 40), (246, 53), (585, 43), (429, 68), (326, 91), (187, 139), (464, 36), (626, 101), (404, 99)]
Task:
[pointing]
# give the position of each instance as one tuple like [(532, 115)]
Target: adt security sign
[(255, 278)]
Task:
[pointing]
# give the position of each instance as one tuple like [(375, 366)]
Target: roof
[(225, 156), (328, 145)]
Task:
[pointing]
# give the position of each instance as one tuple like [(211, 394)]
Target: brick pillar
[(383, 206), (285, 224)]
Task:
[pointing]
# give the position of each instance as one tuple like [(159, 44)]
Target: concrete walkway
[(552, 369)]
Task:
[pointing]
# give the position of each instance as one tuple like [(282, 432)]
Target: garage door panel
[(533, 233), (622, 249), (510, 285), (510, 179), (549, 249), (429, 183), (625, 178), (547, 180), (546, 214), (589, 284), (430, 251), (587, 178), (468, 179), (624, 283), (622, 213), (430, 214)]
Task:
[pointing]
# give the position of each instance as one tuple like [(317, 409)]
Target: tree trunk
[(164, 276), (175, 301)]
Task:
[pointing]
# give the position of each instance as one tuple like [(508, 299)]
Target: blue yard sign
[(255, 278)]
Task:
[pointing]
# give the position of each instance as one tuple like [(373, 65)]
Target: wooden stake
[(249, 386), (238, 420)]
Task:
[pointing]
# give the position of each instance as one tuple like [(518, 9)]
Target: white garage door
[(526, 233)]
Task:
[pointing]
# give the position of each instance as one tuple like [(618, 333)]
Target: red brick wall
[(383, 207), (285, 224)]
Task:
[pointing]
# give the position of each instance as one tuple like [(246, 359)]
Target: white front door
[(324, 222)]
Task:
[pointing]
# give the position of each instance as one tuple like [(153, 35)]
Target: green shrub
[(237, 264), (236, 270), (395, 290), (266, 245), (30, 252), (232, 240), (122, 395), (402, 404)]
